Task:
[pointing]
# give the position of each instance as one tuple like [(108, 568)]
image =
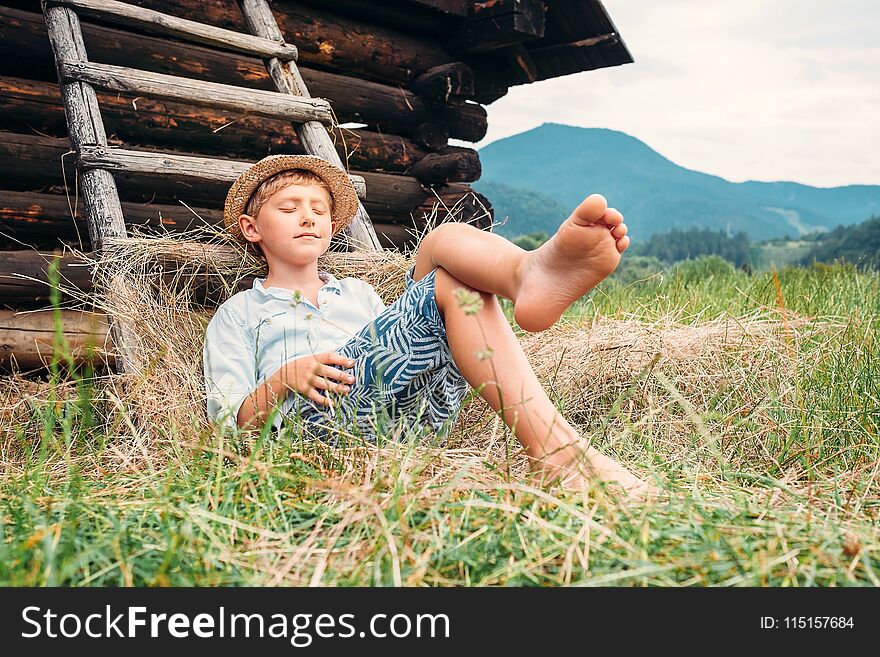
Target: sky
[(745, 89)]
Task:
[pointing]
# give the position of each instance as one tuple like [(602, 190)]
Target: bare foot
[(575, 467), (584, 251)]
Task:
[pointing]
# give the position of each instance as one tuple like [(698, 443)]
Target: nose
[(307, 218)]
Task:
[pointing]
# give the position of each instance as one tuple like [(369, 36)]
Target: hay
[(605, 376)]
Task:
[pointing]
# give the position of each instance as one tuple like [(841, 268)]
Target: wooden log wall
[(395, 69), (411, 94)]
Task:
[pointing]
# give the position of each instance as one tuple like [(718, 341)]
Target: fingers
[(328, 372), (326, 384), (318, 398), (333, 358)]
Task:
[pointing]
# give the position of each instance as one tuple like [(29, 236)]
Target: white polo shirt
[(258, 330)]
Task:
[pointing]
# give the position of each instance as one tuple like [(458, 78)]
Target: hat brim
[(345, 200)]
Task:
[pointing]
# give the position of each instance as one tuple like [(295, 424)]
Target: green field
[(753, 400)]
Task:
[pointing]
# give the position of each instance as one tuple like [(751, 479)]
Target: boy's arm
[(307, 376), (229, 366)]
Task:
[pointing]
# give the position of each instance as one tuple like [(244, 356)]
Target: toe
[(622, 243), (619, 231), (590, 210), (612, 217)]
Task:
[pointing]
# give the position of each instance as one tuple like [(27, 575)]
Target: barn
[(406, 84)]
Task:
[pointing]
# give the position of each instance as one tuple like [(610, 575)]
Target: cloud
[(782, 90)]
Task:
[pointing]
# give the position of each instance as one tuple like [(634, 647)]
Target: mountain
[(556, 165)]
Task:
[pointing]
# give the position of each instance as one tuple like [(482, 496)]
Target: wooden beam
[(177, 167), (197, 92), (24, 277), (447, 84), (498, 23), (452, 164), (600, 40), (384, 108), (29, 160), (452, 7), (25, 281), (328, 40), (313, 136), (85, 125), (166, 25), (27, 339), (432, 136), (27, 105), (44, 219)]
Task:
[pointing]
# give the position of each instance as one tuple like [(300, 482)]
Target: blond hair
[(279, 181)]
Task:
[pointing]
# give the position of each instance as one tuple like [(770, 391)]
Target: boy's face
[(293, 226)]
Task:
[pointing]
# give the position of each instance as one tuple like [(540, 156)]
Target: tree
[(531, 241), (859, 245), (678, 245)]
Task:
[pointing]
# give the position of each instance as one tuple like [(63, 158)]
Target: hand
[(310, 375)]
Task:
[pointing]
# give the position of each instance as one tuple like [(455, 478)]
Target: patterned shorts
[(403, 369)]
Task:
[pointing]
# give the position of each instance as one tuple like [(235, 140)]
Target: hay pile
[(606, 376)]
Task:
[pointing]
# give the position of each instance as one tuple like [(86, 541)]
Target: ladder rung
[(180, 167), (208, 94), (166, 25)]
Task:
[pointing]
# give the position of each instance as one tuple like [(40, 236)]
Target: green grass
[(773, 472)]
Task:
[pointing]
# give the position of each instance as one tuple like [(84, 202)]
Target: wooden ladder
[(95, 160)]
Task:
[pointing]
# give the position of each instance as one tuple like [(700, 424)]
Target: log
[(397, 236), (27, 161), (327, 40), (432, 136), (24, 277), (383, 108), (27, 105), (453, 202), (448, 83), (423, 17), (451, 164), (173, 166), (196, 92), (31, 217), (26, 339), (156, 22)]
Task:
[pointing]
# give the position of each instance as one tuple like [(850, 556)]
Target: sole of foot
[(583, 252)]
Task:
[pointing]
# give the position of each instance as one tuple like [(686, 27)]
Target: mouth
[(306, 235)]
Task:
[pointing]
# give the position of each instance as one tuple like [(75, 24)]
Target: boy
[(309, 344)]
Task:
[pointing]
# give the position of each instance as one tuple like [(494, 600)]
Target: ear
[(249, 230)]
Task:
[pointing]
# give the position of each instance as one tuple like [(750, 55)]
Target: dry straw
[(610, 377)]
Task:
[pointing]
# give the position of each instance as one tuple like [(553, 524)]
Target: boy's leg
[(541, 283), (508, 383)]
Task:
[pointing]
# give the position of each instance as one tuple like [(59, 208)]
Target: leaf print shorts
[(404, 374)]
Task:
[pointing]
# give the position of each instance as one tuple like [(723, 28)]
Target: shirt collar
[(330, 283)]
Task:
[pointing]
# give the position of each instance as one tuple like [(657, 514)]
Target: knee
[(446, 232), (449, 292)]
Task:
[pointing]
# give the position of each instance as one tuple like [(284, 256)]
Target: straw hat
[(345, 200)]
